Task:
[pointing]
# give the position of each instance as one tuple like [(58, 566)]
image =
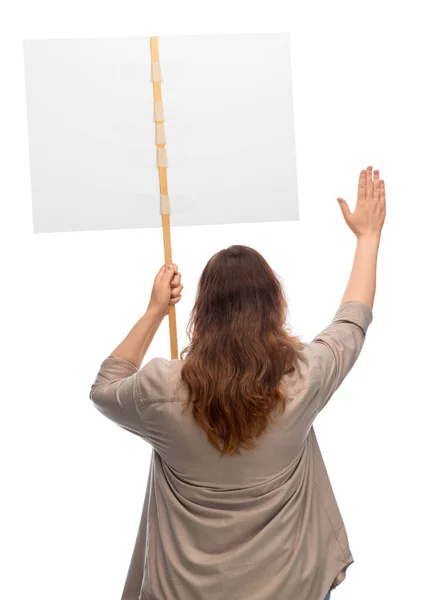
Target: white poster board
[(229, 131)]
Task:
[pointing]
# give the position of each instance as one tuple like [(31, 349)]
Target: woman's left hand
[(167, 289)]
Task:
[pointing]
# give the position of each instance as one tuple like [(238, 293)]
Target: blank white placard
[(228, 121)]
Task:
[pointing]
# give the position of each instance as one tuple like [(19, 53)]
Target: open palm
[(370, 211)]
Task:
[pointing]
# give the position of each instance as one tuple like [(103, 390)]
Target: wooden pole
[(163, 189)]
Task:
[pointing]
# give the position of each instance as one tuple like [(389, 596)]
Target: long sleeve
[(338, 346)]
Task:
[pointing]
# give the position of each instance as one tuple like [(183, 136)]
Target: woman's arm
[(121, 387), (362, 282), (338, 346), (135, 345), (167, 289)]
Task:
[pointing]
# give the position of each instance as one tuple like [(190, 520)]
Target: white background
[(73, 483)]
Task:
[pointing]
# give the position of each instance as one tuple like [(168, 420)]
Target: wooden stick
[(163, 189)]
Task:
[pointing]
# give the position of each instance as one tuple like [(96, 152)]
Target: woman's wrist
[(372, 239), (156, 313)]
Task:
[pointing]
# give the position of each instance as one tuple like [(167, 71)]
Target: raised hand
[(370, 212), (167, 289)]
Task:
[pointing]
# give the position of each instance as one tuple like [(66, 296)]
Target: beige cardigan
[(261, 526)]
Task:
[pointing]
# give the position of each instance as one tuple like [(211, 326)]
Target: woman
[(239, 503)]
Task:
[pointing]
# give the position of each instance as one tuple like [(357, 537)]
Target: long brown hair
[(239, 349)]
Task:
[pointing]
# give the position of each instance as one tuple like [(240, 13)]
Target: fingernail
[(169, 267)]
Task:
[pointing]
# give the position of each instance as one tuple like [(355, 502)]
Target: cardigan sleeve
[(338, 346)]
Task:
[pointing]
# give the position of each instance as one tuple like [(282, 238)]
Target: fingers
[(165, 270), (379, 189), (175, 282), (168, 268), (376, 186), (176, 295), (175, 292), (171, 270), (176, 287), (369, 188), (368, 184), (362, 185)]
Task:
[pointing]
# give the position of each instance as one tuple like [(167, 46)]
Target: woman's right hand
[(370, 212)]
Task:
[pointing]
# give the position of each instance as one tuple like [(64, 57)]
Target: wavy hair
[(239, 349)]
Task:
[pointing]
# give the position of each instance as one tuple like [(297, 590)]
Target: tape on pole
[(158, 112), (156, 72), (161, 156), (160, 134), (165, 205)]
